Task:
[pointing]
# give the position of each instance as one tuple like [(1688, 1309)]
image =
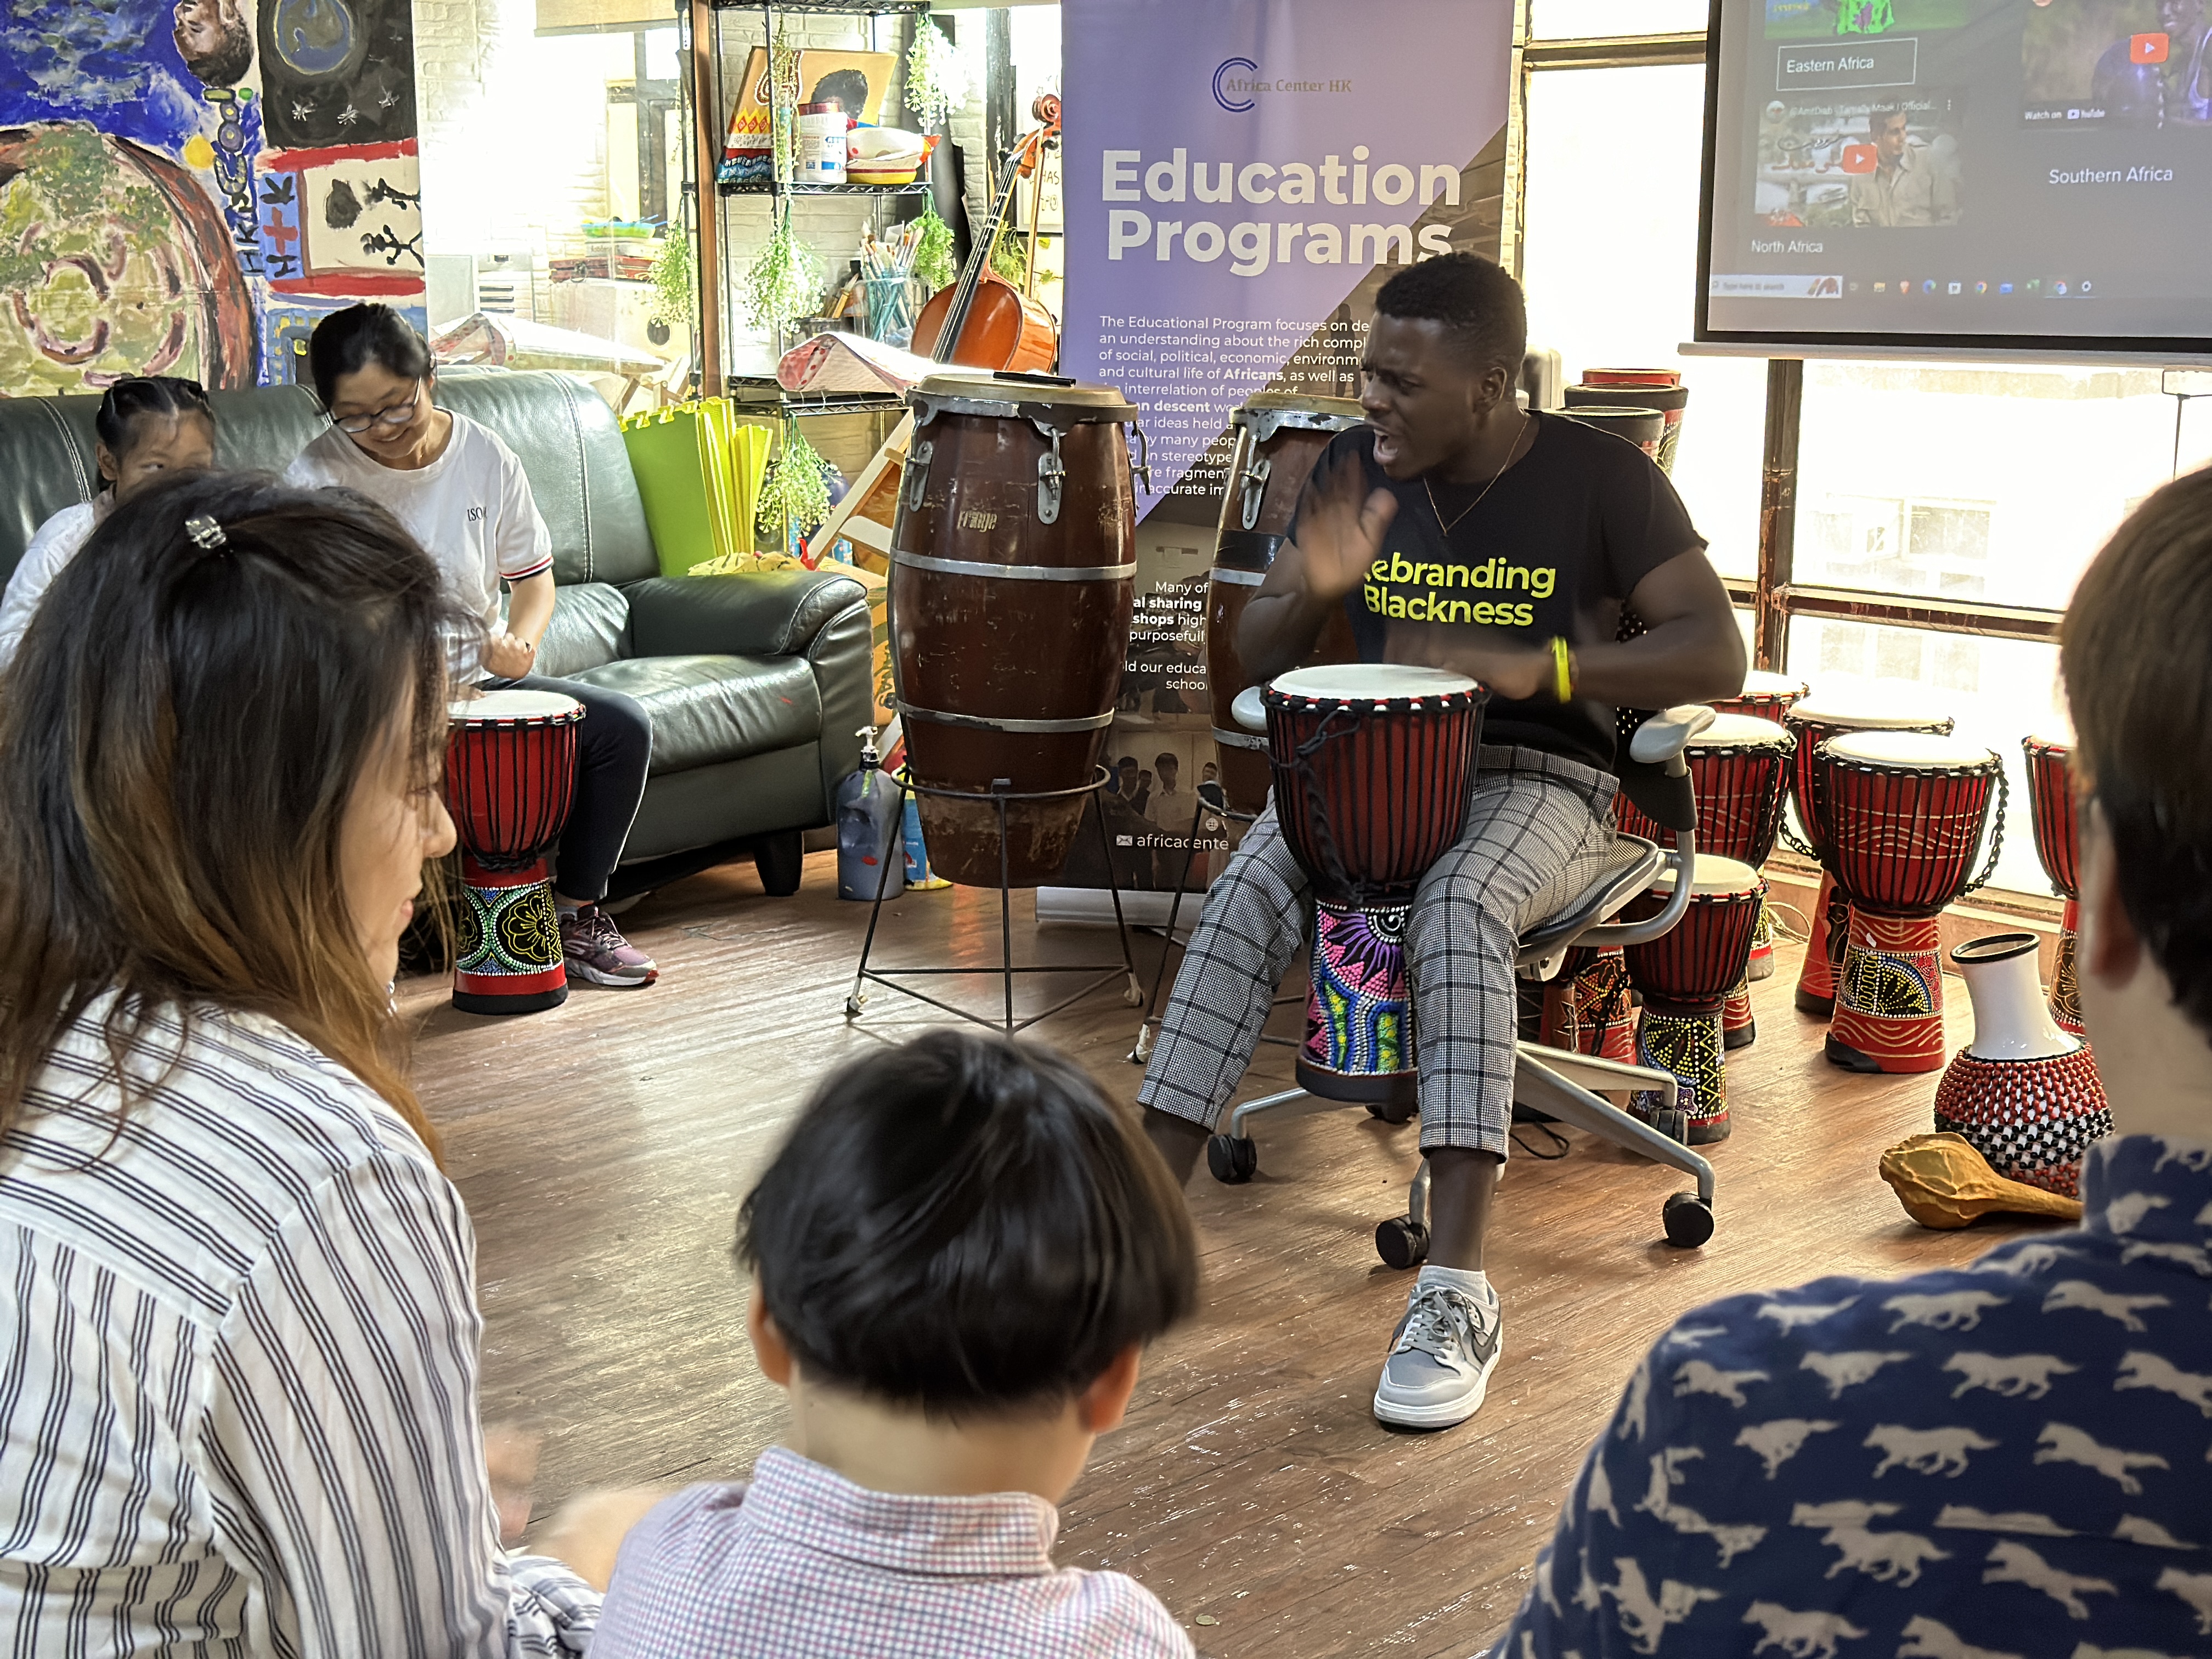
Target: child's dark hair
[(346, 342), (967, 1225), (135, 395)]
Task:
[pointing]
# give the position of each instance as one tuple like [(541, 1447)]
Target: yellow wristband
[(1563, 666)]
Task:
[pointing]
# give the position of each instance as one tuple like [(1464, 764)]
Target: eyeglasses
[(390, 415)]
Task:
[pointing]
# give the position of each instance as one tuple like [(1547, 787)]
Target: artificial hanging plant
[(782, 282), (783, 103), (936, 84), (794, 494), (933, 252), (673, 286)]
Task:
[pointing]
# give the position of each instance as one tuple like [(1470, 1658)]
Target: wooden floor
[(603, 1149)]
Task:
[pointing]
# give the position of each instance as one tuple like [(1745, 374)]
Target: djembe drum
[(1649, 388), (1588, 1009), (2050, 809), (1813, 719), (1685, 976), (1280, 437), (2023, 1093), (1013, 575), (1741, 769), (510, 778), (1900, 816), (1765, 697), (1373, 764)]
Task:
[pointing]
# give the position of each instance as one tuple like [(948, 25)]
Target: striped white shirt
[(238, 1412)]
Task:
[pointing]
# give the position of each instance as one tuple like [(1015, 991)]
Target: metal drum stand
[(1003, 794)]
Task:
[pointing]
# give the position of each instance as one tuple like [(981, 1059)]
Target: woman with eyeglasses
[(462, 493), (149, 427)]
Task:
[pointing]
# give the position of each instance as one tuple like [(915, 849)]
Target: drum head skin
[(1371, 682), (1717, 877), (1758, 682), (2062, 740), (1868, 710), (1910, 751), (522, 706), (1742, 731)]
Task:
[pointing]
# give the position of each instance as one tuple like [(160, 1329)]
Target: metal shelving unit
[(711, 108)]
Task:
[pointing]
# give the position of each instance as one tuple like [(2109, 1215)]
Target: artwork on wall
[(186, 185)]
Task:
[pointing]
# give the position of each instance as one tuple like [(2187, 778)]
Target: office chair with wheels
[(1556, 1082)]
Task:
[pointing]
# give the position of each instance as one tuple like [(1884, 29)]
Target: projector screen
[(1954, 175)]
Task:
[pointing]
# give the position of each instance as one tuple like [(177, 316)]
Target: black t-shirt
[(1555, 548)]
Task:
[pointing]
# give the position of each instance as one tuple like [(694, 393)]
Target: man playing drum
[(1462, 534)]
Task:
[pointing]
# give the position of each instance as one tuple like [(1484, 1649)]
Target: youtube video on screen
[(2024, 173)]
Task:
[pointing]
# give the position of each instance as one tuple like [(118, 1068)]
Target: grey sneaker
[(1441, 1358), (595, 950)]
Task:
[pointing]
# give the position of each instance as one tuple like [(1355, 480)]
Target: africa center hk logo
[(1232, 90)]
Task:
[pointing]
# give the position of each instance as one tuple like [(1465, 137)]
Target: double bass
[(983, 321)]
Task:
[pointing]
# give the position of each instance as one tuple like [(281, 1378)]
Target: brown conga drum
[(1280, 437), (1013, 570), (1628, 388)]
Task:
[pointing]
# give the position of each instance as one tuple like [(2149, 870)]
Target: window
[(1968, 483), (1998, 692), (1582, 20), (1610, 259)]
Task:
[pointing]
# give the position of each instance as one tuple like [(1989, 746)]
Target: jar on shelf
[(822, 144)]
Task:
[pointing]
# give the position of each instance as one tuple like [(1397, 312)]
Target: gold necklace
[(1519, 433)]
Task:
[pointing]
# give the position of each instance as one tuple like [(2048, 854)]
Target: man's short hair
[(1477, 302), (2137, 655), (1168, 760), (1878, 117), (968, 1225)]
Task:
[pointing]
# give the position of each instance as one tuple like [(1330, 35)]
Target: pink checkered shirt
[(802, 1562)]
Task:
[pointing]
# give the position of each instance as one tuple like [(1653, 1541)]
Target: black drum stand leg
[(1135, 995), (998, 787), (857, 999)]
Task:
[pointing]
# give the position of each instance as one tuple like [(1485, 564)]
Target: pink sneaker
[(596, 951)]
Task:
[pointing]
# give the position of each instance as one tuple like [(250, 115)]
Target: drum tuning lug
[(917, 473), (1141, 468), (1256, 489), (1051, 473)]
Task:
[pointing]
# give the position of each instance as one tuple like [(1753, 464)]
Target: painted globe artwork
[(113, 262)]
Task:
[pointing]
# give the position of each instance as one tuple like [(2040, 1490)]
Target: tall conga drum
[(1280, 437), (510, 779), (1013, 572), (1765, 697), (1685, 975), (1644, 427), (1373, 764), (2051, 806), (1813, 719), (1741, 769), (2023, 1093), (1649, 388), (1901, 816)]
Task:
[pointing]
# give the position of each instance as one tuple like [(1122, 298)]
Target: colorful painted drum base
[(508, 958), (1359, 1015), (1816, 979), (2032, 1119), (1588, 1010), (1738, 1029), (2065, 988), (1889, 997), (1689, 1046)]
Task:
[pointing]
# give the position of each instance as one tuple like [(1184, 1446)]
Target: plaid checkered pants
[(1537, 829)]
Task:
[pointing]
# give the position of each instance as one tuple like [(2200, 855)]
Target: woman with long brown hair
[(238, 1398)]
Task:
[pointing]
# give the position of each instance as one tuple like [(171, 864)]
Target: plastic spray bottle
[(868, 829)]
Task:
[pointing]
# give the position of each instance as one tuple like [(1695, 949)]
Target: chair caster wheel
[(1673, 1123), (1401, 1243), (1689, 1221), (853, 1006), (1234, 1159), (1392, 1111)]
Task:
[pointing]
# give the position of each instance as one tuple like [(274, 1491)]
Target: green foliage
[(672, 285), (1010, 256), (933, 253), (782, 282), (794, 491), (935, 81)]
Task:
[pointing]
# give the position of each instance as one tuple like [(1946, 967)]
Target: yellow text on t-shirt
[(1496, 574)]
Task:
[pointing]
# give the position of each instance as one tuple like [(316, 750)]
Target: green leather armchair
[(757, 685)]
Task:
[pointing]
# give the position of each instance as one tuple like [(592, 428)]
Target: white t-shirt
[(471, 508), (54, 545)]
